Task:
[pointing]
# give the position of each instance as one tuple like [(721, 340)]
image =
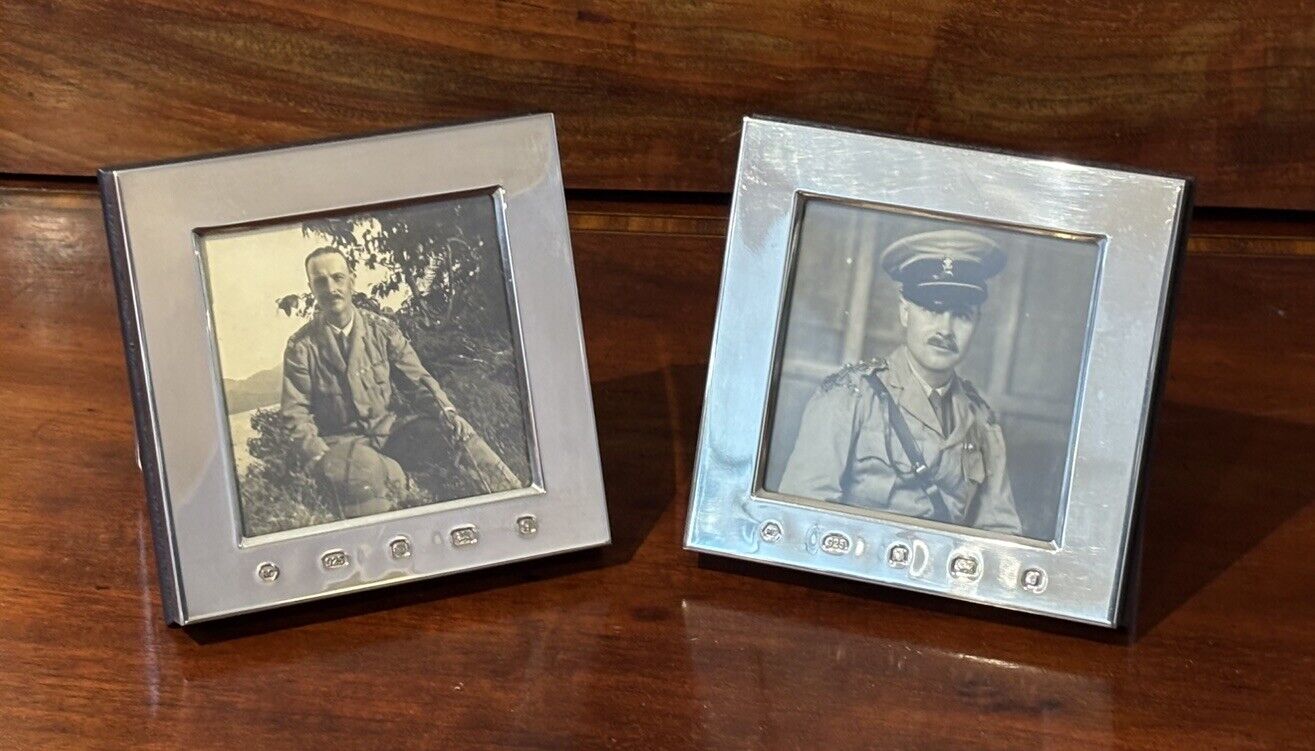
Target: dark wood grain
[(649, 95), (643, 645)]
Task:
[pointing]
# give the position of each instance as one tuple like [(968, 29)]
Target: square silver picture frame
[(1139, 221), (154, 217)]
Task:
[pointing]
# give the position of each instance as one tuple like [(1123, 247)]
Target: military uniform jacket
[(327, 395), (847, 451)]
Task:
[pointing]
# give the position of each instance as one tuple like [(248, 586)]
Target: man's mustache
[(943, 343)]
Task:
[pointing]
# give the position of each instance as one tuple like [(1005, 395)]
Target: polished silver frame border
[(153, 214), (1140, 222)]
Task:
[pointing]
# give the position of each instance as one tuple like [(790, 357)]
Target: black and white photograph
[(930, 367), (370, 362)]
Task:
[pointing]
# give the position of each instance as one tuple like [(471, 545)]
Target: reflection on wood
[(941, 693)]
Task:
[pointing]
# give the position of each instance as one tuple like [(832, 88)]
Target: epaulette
[(378, 319), (851, 375), (301, 334), (971, 391)]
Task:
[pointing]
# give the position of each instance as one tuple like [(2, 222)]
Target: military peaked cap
[(943, 268)]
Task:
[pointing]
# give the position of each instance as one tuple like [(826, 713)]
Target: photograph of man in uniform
[(339, 374), (906, 433)]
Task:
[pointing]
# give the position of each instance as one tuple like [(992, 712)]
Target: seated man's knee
[(363, 480)]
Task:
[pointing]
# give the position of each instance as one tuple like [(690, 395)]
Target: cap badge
[(947, 266)]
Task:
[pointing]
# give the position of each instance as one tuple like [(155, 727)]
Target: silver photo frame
[(170, 226), (841, 245)]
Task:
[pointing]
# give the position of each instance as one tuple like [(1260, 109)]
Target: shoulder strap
[(921, 472), (976, 398)]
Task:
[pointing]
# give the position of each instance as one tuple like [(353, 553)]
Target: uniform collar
[(927, 388), (345, 330), (327, 334), (913, 393)]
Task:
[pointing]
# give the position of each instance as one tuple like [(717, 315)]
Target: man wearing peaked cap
[(943, 268), (906, 433)]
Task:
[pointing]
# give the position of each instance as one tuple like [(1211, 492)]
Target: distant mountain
[(261, 389)]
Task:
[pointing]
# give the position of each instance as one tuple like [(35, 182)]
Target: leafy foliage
[(445, 258), (433, 252), (277, 491)]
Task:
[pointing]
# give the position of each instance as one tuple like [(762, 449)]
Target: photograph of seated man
[(339, 373), (370, 362)]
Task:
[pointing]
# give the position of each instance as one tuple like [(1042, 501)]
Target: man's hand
[(461, 430)]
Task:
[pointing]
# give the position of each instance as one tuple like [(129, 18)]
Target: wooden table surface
[(644, 645)]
